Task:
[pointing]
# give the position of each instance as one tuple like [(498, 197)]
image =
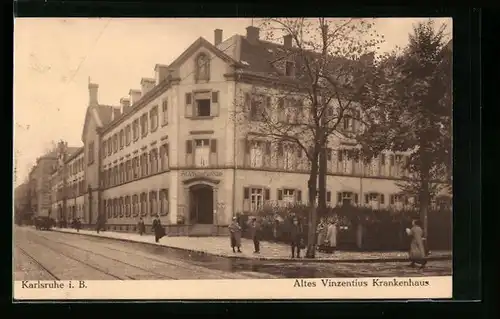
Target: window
[(135, 129), (128, 134), (153, 117), (135, 206), (202, 107), (397, 200), (122, 173), (153, 203), (289, 68), (104, 149), (374, 200), (122, 139), (289, 196), (256, 197), (347, 198), (153, 160), (121, 203), (202, 153), (135, 167), (128, 211), (256, 157), (347, 122), (115, 208), (202, 68), (164, 112), (144, 124), (115, 143), (344, 161), (163, 202), (144, 203), (144, 164), (256, 106), (110, 146), (164, 157), (91, 152)]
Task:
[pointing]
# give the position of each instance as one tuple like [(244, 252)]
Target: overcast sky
[(53, 59)]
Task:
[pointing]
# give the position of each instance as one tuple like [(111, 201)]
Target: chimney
[(125, 104), (147, 84), (217, 37), (161, 71), (135, 95), (115, 113), (93, 89), (287, 41), (253, 34)]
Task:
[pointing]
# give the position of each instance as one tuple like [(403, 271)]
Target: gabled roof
[(201, 42), (101, 115)]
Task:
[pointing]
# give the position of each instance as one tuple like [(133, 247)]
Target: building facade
[(173, 148)]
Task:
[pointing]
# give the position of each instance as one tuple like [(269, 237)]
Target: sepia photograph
[(180, 158)]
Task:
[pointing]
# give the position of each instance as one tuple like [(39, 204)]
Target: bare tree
[(312, 97)]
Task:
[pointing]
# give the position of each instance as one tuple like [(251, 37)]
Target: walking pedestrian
[(296, 237), (235, 234), (254, 229), (158, 229), (141, 227), (100, 223), (78, 224), (417, 250)]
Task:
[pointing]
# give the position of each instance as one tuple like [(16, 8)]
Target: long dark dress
[(417, 249), (158, 229)]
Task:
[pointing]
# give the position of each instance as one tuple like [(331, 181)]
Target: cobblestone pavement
[(41, 255), (269, 250)]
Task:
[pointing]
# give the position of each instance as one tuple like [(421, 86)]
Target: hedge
[(360, 228)]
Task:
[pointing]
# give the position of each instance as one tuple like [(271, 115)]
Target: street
[(48, 255)]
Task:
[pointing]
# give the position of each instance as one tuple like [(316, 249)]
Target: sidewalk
[(219, 246)]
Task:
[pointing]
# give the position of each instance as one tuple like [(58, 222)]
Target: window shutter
[(340, 154), (189, 147), (328, 197), (280, 149), (247, 146), (246, 193), (391, 160), (367, 199), (339, 197), (280, 194), (391, 199), (356, 198), (214, 108), (382, 199), (299, 195), (406, 200), (189, 105), (213, 146), (267, 194)]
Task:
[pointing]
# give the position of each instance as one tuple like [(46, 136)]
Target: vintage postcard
[(182, 158)]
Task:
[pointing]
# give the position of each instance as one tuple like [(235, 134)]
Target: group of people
[(327, 233), (295, 232), (157, 228)]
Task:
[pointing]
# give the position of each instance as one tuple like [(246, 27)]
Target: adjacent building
[(172, 148)]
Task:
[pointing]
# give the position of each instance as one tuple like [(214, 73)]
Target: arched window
[(202, 67)]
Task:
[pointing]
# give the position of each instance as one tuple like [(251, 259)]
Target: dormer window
[(202, 67), (289, 68)]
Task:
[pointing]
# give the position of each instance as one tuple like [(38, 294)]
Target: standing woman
[(158, 228), (321, 231), (235, 233), (417, 250), (331, 236)]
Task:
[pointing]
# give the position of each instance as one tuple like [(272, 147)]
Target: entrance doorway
[(201, 204)]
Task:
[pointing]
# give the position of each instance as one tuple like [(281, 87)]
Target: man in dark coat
[(296, 237), (141, 227), (158, 229), (254, 231), (100, 223)]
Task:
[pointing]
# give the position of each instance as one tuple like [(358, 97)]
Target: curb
[(269, 259)]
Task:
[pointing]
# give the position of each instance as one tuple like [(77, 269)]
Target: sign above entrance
[(192, 174)]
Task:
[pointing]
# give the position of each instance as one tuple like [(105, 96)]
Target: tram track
[(148, 271), (39, 264)]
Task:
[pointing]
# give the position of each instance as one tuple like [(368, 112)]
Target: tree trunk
[(311, 185), (322, 181)]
